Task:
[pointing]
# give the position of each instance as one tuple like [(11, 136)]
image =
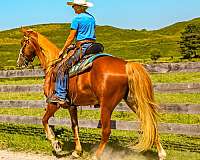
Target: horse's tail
[(142, 95)]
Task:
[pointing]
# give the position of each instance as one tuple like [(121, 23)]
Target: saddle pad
[(85, 63)]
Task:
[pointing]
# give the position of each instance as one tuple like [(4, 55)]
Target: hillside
[(125, 43), (176, 28)]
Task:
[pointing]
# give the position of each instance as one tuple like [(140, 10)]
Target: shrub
[(155, 54)]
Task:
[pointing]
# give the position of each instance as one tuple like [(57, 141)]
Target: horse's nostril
[(26, 63)]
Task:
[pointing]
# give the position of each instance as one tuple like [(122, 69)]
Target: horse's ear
[(28, 32), (32, 33), (23, 30)]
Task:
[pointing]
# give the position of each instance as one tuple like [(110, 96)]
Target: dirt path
[(10, 155)]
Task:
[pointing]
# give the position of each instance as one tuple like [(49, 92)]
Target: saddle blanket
[(85, 63)]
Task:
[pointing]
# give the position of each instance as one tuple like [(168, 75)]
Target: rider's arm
[(69, 41)]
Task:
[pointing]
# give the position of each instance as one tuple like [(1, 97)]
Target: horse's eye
[(27, 41), (22, 42)]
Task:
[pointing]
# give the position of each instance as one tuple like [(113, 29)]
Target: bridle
[(22, 56)]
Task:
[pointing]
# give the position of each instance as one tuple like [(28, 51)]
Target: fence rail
[(164, 108), (161, 87), (186, 129), (154, 68)]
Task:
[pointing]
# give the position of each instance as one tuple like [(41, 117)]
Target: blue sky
[(133, 14)]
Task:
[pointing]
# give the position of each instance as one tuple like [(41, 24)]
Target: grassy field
[(193, 98), (128, 44), (90, 115), (192, 77), (32, 139), (124, 43), (21, 81)]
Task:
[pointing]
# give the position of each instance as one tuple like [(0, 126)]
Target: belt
[(79, 43)]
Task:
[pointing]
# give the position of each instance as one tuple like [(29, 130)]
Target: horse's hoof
[(77, 154), (57, 146), (162, 155), (95, 158), (162, 158)]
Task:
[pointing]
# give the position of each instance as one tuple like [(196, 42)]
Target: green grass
[(90, 115), (32, 139), (160, 97), (30, 112), (22, 96), (190, 77), (180, 98), (21, 81), (125, 43)]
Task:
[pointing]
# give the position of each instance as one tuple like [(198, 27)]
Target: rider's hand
[(61, 53)]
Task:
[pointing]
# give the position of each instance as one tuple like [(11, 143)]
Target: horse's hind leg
[(106, 129), (107, 108), (50, 110), (74, 120), (161, 151), (130, 104)]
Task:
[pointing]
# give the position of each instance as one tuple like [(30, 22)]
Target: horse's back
[(107, 74), (109, 64)]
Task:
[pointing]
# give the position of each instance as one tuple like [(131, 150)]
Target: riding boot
[(61, 89)]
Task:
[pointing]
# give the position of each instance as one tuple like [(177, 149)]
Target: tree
[(155, 54), (190, 41)]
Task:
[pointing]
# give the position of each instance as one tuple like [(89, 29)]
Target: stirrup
[(68, 101), (55, 99)]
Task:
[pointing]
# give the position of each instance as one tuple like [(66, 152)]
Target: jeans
[(61, 88)]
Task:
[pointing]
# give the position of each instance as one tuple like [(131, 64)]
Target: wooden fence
[(161, 87), (121, 107), (187, 129), (153, 68)]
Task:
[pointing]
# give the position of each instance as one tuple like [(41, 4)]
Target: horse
[(106, 83)]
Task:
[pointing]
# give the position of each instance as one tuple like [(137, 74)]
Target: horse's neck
[(42, 59), (49, 52)]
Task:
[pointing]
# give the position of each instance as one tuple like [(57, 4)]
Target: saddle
[(85, 63), (93, 51), (94, 48)]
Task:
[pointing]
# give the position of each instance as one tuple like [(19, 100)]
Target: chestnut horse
[(109, 80)]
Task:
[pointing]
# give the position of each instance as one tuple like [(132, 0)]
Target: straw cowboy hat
[(80, 3)]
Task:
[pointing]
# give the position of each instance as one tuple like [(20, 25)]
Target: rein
[(24, 57), (38, 50), (51, 65)]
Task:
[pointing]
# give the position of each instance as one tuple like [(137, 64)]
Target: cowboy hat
[(80, 3)]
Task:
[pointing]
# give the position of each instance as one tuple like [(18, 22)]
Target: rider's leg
[(61, 95)]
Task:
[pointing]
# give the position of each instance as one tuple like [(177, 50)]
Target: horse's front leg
[(50, 110), (74, 120)]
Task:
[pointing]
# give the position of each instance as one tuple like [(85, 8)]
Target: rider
[(83, 32)]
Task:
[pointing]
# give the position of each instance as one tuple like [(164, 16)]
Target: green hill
[(125, 43), (176, 28)]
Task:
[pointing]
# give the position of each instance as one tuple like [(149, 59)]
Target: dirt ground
[(10, 155)]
